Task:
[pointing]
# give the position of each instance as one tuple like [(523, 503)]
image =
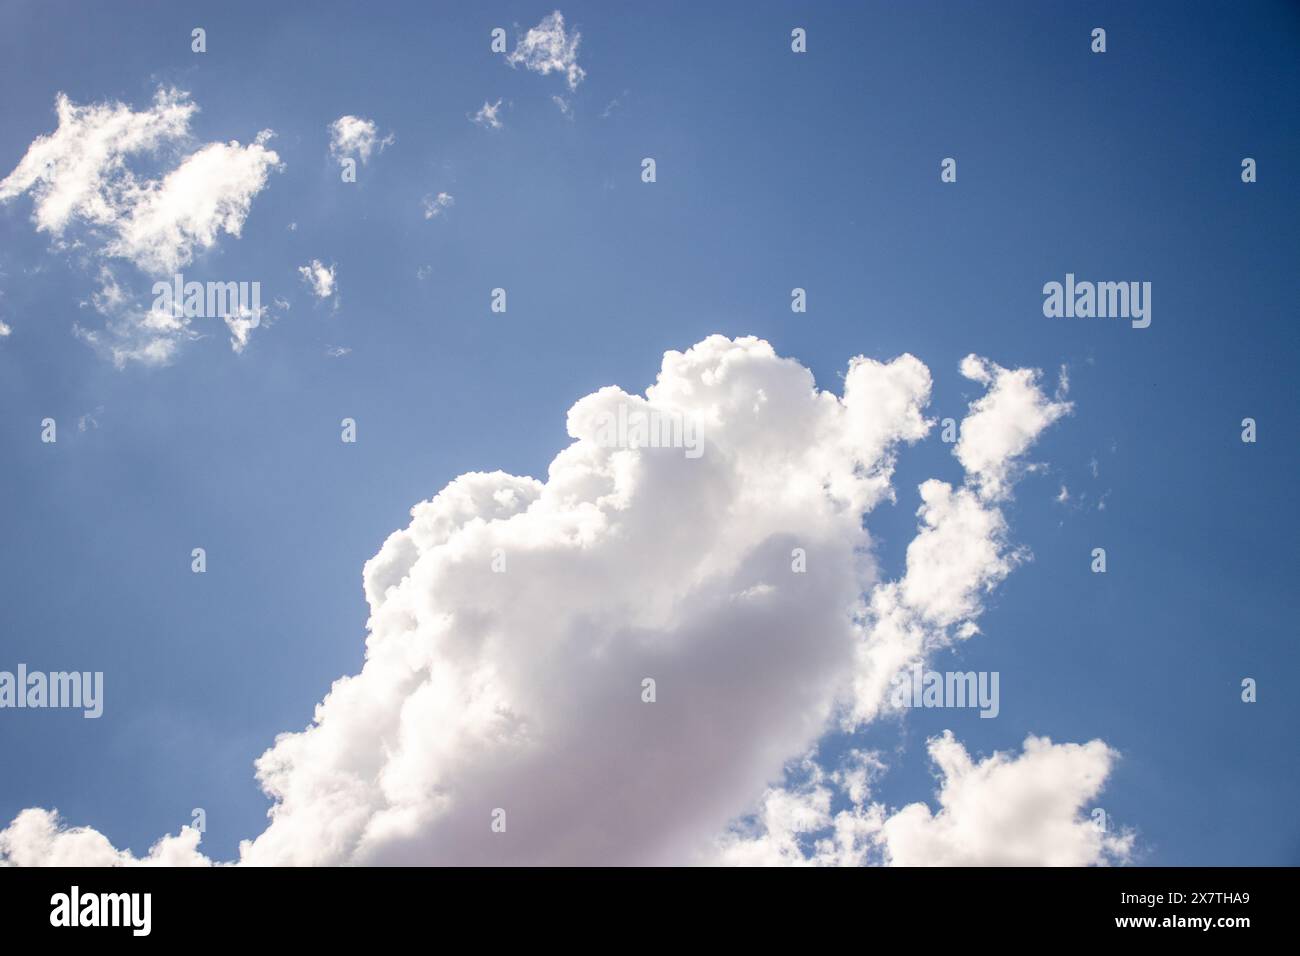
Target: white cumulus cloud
[(1002, 424), (1029, 810), (39, 838), (961, 550), (1006, 810), (514, 622)]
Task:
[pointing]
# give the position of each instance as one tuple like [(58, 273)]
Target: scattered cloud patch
[(354, 137), (1002, 424), (89, 175), (961, 551), (488, 115), (209, 193), (89, 420), (241, 323), (548, 48), (434, 206), (320, 278), (133, 332), (1063, 383), (80, 174)]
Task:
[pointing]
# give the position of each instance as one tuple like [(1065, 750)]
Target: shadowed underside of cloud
[(514, 621)]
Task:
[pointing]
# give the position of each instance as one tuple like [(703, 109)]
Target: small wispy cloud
[(548, 48), (319, 278), (89, 420), (356, 137), (434, 206), (488, 116)]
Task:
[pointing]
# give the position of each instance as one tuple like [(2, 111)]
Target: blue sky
[(774, 170)]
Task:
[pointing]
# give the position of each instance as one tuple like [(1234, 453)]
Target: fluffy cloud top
[(547, 48), (961, 550), (356, 137), (521, 688), (1009, 811), (38, 838), (1006, 810), (1002, 424), (514, 621)]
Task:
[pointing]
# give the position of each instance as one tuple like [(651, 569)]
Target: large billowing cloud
[(81, 175), (708, 536)]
